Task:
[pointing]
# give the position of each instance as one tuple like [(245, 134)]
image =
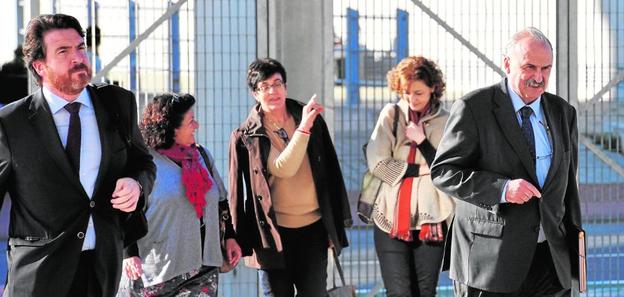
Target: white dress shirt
[(90, 148)]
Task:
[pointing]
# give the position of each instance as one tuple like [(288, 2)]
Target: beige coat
[(387, 160)]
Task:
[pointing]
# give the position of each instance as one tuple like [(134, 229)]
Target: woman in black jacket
[(296, 204)]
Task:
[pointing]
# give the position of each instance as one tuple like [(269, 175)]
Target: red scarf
[(402, 216), (195, 177)]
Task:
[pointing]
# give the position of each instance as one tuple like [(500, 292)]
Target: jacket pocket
[(486, 227), (31, 241)]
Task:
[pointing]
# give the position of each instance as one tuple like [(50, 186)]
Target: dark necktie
[(527, 129), (73, 135)]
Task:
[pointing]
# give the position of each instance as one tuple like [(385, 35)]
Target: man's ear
[(506, 63), (39, 67)]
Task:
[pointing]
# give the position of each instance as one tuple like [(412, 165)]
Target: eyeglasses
[(266, 87), (282, 134)]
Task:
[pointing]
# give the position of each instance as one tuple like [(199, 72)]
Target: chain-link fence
[(204, 47)]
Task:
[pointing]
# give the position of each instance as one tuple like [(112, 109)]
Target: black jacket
[(50, 209), (253, 216)]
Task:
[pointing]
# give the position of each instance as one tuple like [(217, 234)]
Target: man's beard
[(67, 84)]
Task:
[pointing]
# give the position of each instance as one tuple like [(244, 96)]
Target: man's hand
[(126, 194), (132, 267), (520, 191)]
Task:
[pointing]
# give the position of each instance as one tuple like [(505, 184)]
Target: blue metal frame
[(401, 42), (352, 58), (132, 36), (174, 43)]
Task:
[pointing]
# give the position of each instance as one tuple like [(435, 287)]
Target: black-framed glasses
[(282, 134), (265, 88)]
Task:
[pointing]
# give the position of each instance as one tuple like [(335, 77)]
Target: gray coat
[(173, 244)]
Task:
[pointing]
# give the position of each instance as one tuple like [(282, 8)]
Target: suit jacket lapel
[(553, 128), (104, 127), (508, 122), (43, 123)]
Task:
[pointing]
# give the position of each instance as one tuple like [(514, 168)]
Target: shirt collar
[(57, 103), (536, 105)]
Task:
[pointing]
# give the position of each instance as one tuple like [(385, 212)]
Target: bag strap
[(395, 124), (395, 121), (204, 155), (338, 267)]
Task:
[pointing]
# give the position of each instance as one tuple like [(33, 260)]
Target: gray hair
[(532, 32)]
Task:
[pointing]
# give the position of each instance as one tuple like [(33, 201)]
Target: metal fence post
[(401, 42), (352, 58), (132, 36), (175, 51)]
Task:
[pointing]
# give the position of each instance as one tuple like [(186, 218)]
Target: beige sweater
[(292, 186), (387, 157)]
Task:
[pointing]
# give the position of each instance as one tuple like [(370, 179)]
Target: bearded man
[(75, 167)]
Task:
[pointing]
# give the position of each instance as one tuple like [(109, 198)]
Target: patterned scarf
[(402, 216), (195, 177)]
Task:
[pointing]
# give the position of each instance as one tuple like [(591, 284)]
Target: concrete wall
[(299, 34)]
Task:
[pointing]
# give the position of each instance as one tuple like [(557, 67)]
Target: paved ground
[(605, 265)]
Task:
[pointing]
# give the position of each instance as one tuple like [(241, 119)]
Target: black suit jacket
[(49, 205), (492, 243)]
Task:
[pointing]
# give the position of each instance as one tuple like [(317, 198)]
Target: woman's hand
[(233, 251), (415, 132), (132, 267), (310, 112)]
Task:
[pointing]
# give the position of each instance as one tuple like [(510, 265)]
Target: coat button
[(262, 223), (255, 171), (92, 204), (259, 197), (80, 235)]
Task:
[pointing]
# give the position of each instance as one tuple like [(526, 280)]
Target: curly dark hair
[(417, 68), (261, 69), (34, 47), (162, 116)]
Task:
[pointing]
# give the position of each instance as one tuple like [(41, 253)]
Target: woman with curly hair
[(410, 215), (187, 212)]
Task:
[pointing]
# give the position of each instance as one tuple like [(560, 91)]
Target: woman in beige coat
[(410, 215)]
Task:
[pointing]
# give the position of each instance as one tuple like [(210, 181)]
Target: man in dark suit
[(509, 156), (75, 167)]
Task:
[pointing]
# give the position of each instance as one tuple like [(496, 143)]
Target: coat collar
[(434, 112), (252, 126), (41, 119), (554, 126), (507, 120)]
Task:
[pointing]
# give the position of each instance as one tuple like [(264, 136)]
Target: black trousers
[(85, 282), (305, 252), (542, 280), (408, 268)]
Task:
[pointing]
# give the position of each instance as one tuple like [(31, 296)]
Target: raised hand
[(310, 112)]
